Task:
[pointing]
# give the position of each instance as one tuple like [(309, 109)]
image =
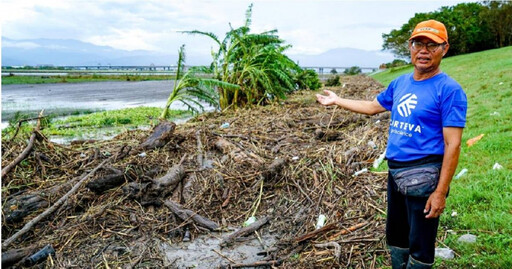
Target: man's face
[(425, 55)]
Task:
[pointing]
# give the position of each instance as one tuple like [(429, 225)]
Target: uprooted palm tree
[(191, 89), (255, 62)]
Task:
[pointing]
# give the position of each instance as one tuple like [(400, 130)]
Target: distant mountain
[(344, 57), (65, 52)]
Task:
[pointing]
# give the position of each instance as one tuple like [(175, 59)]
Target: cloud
[(310, 26)]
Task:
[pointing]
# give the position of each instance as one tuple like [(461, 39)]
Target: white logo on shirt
[(406, 104)]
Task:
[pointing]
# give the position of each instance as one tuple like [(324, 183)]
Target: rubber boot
[(399, 257), (415, 264)]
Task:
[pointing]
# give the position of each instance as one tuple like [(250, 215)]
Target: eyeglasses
[(431, 46)]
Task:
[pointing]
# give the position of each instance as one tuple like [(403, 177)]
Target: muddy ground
[(285, 164)]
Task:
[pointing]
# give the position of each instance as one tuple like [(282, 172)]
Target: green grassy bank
[(97, 124), (482, 198)]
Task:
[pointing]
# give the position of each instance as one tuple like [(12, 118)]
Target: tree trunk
[(160, 136)]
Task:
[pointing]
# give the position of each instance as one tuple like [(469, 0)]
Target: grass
[(482, 197), (105, 123)]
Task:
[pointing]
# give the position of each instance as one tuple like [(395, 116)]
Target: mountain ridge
[(71, 52)]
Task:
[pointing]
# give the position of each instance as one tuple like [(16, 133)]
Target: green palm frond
[(254, 61), (209, 34)]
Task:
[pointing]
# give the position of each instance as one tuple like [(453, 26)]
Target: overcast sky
[(311, 27)]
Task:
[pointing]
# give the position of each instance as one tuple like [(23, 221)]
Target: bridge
[(149, 69)]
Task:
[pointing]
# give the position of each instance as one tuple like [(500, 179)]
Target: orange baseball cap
[(432, 29)]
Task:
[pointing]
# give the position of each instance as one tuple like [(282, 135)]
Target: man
[(428, 114)]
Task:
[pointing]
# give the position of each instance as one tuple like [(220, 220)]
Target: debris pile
[(123, 202)]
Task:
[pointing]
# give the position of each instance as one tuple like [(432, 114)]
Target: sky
[(311, 27)]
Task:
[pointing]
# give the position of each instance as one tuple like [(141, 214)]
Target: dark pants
[(406, 225)]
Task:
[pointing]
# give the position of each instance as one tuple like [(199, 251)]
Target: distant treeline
[(471, 27)]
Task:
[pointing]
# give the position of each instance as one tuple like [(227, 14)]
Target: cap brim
[(431, 36)]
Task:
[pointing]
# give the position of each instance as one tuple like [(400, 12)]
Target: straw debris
[(284, 164)]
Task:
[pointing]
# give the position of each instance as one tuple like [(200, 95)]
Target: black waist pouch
[(418, 181)]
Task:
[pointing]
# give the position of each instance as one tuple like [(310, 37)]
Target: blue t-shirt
[(419, 111)]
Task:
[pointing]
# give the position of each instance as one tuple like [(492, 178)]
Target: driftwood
[(152, 192), (186, 214), (237, 154), (13, 256), (228, 240), (102, 184), (18, 207), (160, 136), (328, 135), (171, 178), (50, 210), (27, 150), (274, 169)]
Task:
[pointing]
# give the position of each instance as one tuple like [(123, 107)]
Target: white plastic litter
[(467, 238), (461, 173), (249, 221), (82, 155), (225, 125), (364, 170), (321, 221), (372, 144), (379, 160), (143, 154), (497, 166), (454, 214), (295, 158), (445, 253)]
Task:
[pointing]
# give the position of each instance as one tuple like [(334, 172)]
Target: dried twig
[(27, 150), (244, 231)]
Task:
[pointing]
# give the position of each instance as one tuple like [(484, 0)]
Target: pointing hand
[(327, 100)]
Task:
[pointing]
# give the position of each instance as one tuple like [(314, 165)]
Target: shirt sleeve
[(385, 98), (454, 108)]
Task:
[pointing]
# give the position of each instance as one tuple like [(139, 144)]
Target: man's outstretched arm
[(359, 106)]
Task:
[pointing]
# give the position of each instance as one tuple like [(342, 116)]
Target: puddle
[(201, 252)]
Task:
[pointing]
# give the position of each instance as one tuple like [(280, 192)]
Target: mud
[(204, 252)]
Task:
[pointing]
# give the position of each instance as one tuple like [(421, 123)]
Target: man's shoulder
[(446, 79), (448, 82)]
